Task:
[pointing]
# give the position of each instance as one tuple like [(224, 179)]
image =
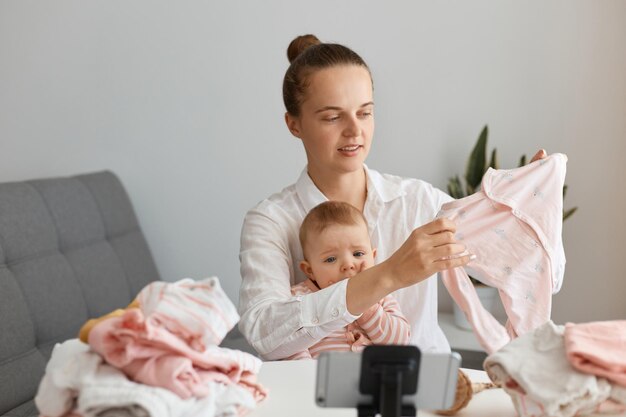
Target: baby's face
[(337, 253)]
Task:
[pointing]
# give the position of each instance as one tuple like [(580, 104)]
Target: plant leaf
[(568, 213), (493, 163), (522, 161), (476, 164), (454, 187), (564, 190)]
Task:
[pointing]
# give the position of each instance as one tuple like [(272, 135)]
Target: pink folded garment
[(150, 354), (598, 348), (199, 312)]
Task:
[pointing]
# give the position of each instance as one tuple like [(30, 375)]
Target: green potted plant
[(477, 165)]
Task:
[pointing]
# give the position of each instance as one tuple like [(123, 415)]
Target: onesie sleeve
[(385, 324), (305, 354)]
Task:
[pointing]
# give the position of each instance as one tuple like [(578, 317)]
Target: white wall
[(183, 101)]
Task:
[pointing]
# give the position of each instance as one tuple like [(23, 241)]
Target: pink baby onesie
[(513, 226)]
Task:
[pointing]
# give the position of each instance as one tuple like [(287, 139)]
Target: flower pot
[(487, 296)]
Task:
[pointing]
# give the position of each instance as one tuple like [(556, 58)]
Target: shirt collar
[(309, 194), (385, 187), (379, 188)]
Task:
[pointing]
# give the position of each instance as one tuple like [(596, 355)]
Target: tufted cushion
[(70, 249)]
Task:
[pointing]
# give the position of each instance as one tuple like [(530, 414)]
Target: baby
[(336, 245)]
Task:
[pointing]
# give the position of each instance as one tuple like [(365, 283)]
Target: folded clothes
[(83, 334), (174, 346), (128, 411), (534, 370), (199, 312), (78, 381), (598, 348)]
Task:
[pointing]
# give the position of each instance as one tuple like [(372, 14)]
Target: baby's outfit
[(535, 371), (381, 324), (513, 226)]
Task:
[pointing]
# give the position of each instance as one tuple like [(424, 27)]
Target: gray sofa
[(70, 249)]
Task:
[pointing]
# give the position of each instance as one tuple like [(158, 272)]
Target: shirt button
[(516, 212), (315, 320), (335, 312)]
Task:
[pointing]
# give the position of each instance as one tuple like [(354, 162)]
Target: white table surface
[(291, 387)]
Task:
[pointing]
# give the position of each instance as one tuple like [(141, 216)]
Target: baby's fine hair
[(306, 55), (328, 214)]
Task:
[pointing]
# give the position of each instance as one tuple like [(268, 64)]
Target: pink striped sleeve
[(335, 341), (299, 355), (385, 324)]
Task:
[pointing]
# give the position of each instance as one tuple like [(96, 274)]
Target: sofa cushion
[(70, 249)]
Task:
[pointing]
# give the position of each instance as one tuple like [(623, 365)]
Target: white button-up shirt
[(278, 324)]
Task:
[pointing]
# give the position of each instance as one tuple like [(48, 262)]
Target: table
[(292, 389)]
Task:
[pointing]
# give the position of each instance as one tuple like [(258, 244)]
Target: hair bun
[(299, 44)]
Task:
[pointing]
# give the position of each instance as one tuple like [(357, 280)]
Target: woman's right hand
[(428, 249)]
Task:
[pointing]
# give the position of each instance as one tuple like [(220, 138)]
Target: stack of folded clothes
[(563, 371), (158, 357)]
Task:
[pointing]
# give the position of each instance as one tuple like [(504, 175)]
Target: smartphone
[(338, 375)]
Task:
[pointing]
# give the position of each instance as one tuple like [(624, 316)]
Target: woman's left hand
[(539, 155)]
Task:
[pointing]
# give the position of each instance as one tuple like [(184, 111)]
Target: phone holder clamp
[(387, 373)]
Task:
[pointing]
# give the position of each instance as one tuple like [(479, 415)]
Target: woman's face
[(336, 121)]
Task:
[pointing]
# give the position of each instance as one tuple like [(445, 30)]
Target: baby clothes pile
[(563, 371), (159, 357)]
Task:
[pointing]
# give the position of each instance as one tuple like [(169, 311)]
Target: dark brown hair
[(307, 54), (328, 214)]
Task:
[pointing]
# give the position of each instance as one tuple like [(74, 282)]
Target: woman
[(328, 95)]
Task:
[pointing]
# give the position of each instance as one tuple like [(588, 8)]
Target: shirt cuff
[(325, 311)]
